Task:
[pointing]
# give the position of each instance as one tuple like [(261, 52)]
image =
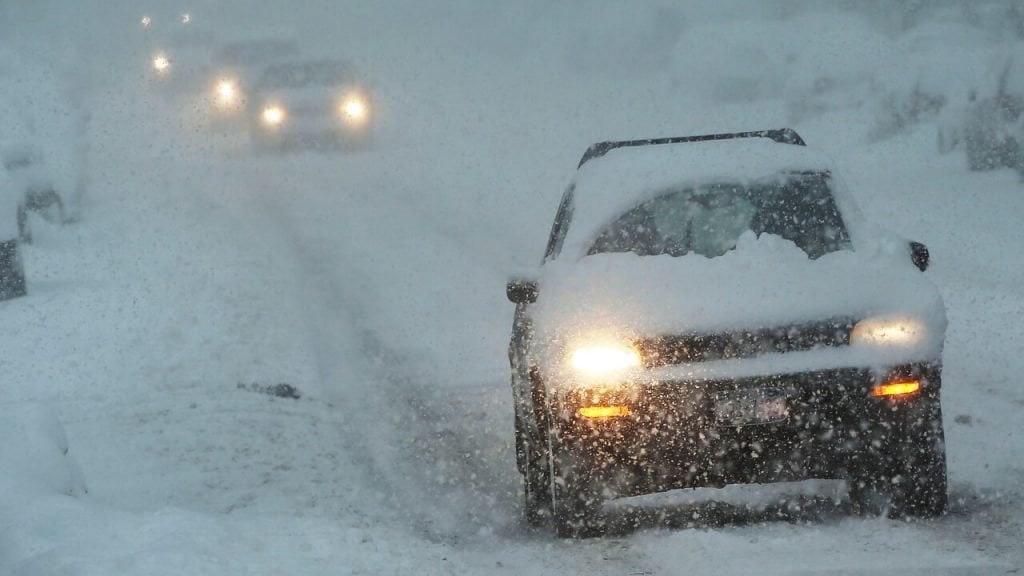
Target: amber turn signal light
[(604, 411), (896, 389)]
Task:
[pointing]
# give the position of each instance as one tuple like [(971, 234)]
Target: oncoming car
[(232, 71), (310, 104), (178, 45), (714, 310)]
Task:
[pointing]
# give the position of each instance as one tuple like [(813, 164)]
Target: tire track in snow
[(418, 443), (437, 451)]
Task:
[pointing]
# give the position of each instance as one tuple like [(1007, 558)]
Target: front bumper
[(673, 438), (311, 135)]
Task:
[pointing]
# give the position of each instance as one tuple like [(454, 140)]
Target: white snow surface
[(200, 277)]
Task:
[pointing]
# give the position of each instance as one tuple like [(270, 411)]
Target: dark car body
[(734, 369)]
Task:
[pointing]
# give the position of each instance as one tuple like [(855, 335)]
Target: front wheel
[(24, 225), (576, 498), (12, 272), (536, 487), (532, 460), (907, 475), (920, 487)]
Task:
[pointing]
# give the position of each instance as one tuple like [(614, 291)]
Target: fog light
[(896, 389), (604, 411)]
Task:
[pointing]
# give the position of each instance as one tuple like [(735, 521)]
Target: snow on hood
[(765, 282)]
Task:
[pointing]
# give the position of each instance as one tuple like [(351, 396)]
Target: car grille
[(689, 348)]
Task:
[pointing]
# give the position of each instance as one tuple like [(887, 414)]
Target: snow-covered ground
[(200, 279)]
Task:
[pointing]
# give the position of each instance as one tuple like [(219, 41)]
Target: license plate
[(751, 406)]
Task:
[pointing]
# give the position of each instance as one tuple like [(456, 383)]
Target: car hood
[(766, 282)]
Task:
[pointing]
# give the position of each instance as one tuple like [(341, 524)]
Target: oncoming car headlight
[(889, 331), (354, 110), (161, 63), (604, 359), (226, 92), (273, 115)]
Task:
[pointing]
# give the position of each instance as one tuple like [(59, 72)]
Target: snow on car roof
[(609, 185)]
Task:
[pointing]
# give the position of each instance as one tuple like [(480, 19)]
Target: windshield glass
[(299, 75), (709, 219)]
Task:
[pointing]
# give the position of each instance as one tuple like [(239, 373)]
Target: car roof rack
[(781, 135)]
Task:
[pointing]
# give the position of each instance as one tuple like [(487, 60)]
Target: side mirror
[(521, 290), (919, 255)]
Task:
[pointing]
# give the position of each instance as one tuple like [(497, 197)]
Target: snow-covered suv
[(714, 310)]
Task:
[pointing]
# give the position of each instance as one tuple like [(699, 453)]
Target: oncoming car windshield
[(301, 74), (709, 219)]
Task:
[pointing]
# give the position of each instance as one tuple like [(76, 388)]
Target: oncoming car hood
[(766, 282)]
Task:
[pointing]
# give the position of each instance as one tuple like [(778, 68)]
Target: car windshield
[(306, 74), (709, 219), (256, 52)]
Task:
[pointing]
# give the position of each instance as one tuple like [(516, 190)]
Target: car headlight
[(597, 360), (226, 92), (897, 331), (354, 110), (273, 115), (161, 63)]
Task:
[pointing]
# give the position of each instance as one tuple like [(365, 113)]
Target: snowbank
[(35, 457)]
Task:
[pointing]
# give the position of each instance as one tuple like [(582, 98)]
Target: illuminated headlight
[(146, 21), (226, 93), (898, 331), (273, 115), (596, 360), (354, 110), (161, 63), (186, 18)]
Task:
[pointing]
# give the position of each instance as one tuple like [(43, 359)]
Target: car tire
[(919, 485), (1012, 152), (906, 476), (536, 487), (12, 272), (947, 140), (575, 497), (24, 225), (980, 152), (532, 462)]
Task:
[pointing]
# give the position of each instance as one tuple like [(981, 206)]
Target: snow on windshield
[(609, 186), (709, 219)]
